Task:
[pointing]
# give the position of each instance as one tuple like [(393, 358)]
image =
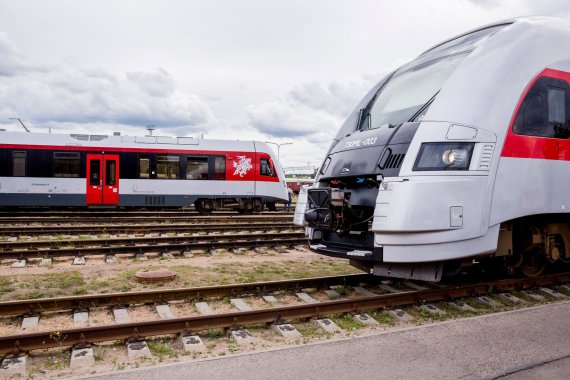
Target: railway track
[(21, 250), (138, 218), (15, 344), (99, 229)]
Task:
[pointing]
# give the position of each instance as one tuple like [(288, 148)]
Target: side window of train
[(19, 164), (544, 109), (167, 167), (65, 164), (144, 166), (266, 167), (219, 168), (197, 168)]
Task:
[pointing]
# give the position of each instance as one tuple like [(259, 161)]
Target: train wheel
[(534, 263), (203, 206)]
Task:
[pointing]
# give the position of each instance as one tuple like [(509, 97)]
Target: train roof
[(141, 142)]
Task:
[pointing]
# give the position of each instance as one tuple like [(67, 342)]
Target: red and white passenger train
[(461, 155), (128, 171)]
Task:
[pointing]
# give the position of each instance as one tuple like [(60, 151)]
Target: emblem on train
[(242, 166)]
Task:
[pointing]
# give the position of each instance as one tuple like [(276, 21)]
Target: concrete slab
[(272, 300), (138, 350), (261, 250), (19, 264), (240, 304), (364, 292), (30, 322), (141, 257), (164, 312), (365, 319), (78, 260), (432, 309), (192, 343), (81, 317), (332, 294), (287, 331), (533, 295), (327, 325), (400, 315), (121, 315), (280, 249), (13, 366), (203, 308), (388, 288), (487, 301), (300, 248), (460, 305), (564, 288), (241, 336), (306, 298), (110, 259), (552, 293), (238, 251), (187, 254), (46, 262), (82, 358), (413, 285), (167, 255), (509, 298)]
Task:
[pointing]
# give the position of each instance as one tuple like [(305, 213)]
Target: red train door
[(102, 179)]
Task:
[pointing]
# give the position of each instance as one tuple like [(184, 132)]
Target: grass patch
[(383, 318), (6, 285), (161, 350), (347, 322)]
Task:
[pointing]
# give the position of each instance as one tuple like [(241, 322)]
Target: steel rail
[(240, 241), (137, 228), (21, 307), (139, 330)]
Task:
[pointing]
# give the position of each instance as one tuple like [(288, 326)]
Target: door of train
[(102, 179)]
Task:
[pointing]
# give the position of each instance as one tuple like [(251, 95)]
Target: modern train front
[(385, 194)]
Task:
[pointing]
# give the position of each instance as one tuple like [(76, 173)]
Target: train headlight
[(444, 156)]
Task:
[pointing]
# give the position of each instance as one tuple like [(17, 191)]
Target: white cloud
[(73, 95)]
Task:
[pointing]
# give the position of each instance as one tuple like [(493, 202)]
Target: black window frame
[(74, 157), (548, 129), (24, 166)]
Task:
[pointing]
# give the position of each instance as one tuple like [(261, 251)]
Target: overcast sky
[(283, 71)]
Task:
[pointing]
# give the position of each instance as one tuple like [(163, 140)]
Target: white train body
[(95, 170), (500, 107)]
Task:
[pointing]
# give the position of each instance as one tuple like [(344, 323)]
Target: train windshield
[(407, 92)]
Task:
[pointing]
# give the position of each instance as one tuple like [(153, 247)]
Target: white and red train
[(459, 157), (127, 171)]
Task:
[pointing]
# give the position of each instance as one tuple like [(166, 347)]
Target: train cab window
[(110, 172), (197, 168), (144, 166), (533, 112), (167, 167), (19, 164), (266, 167), (556, 105), (65, 164), (543, 110), (219, 168), (94, 172)]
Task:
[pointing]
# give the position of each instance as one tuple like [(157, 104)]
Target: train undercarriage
[(205, 206)]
